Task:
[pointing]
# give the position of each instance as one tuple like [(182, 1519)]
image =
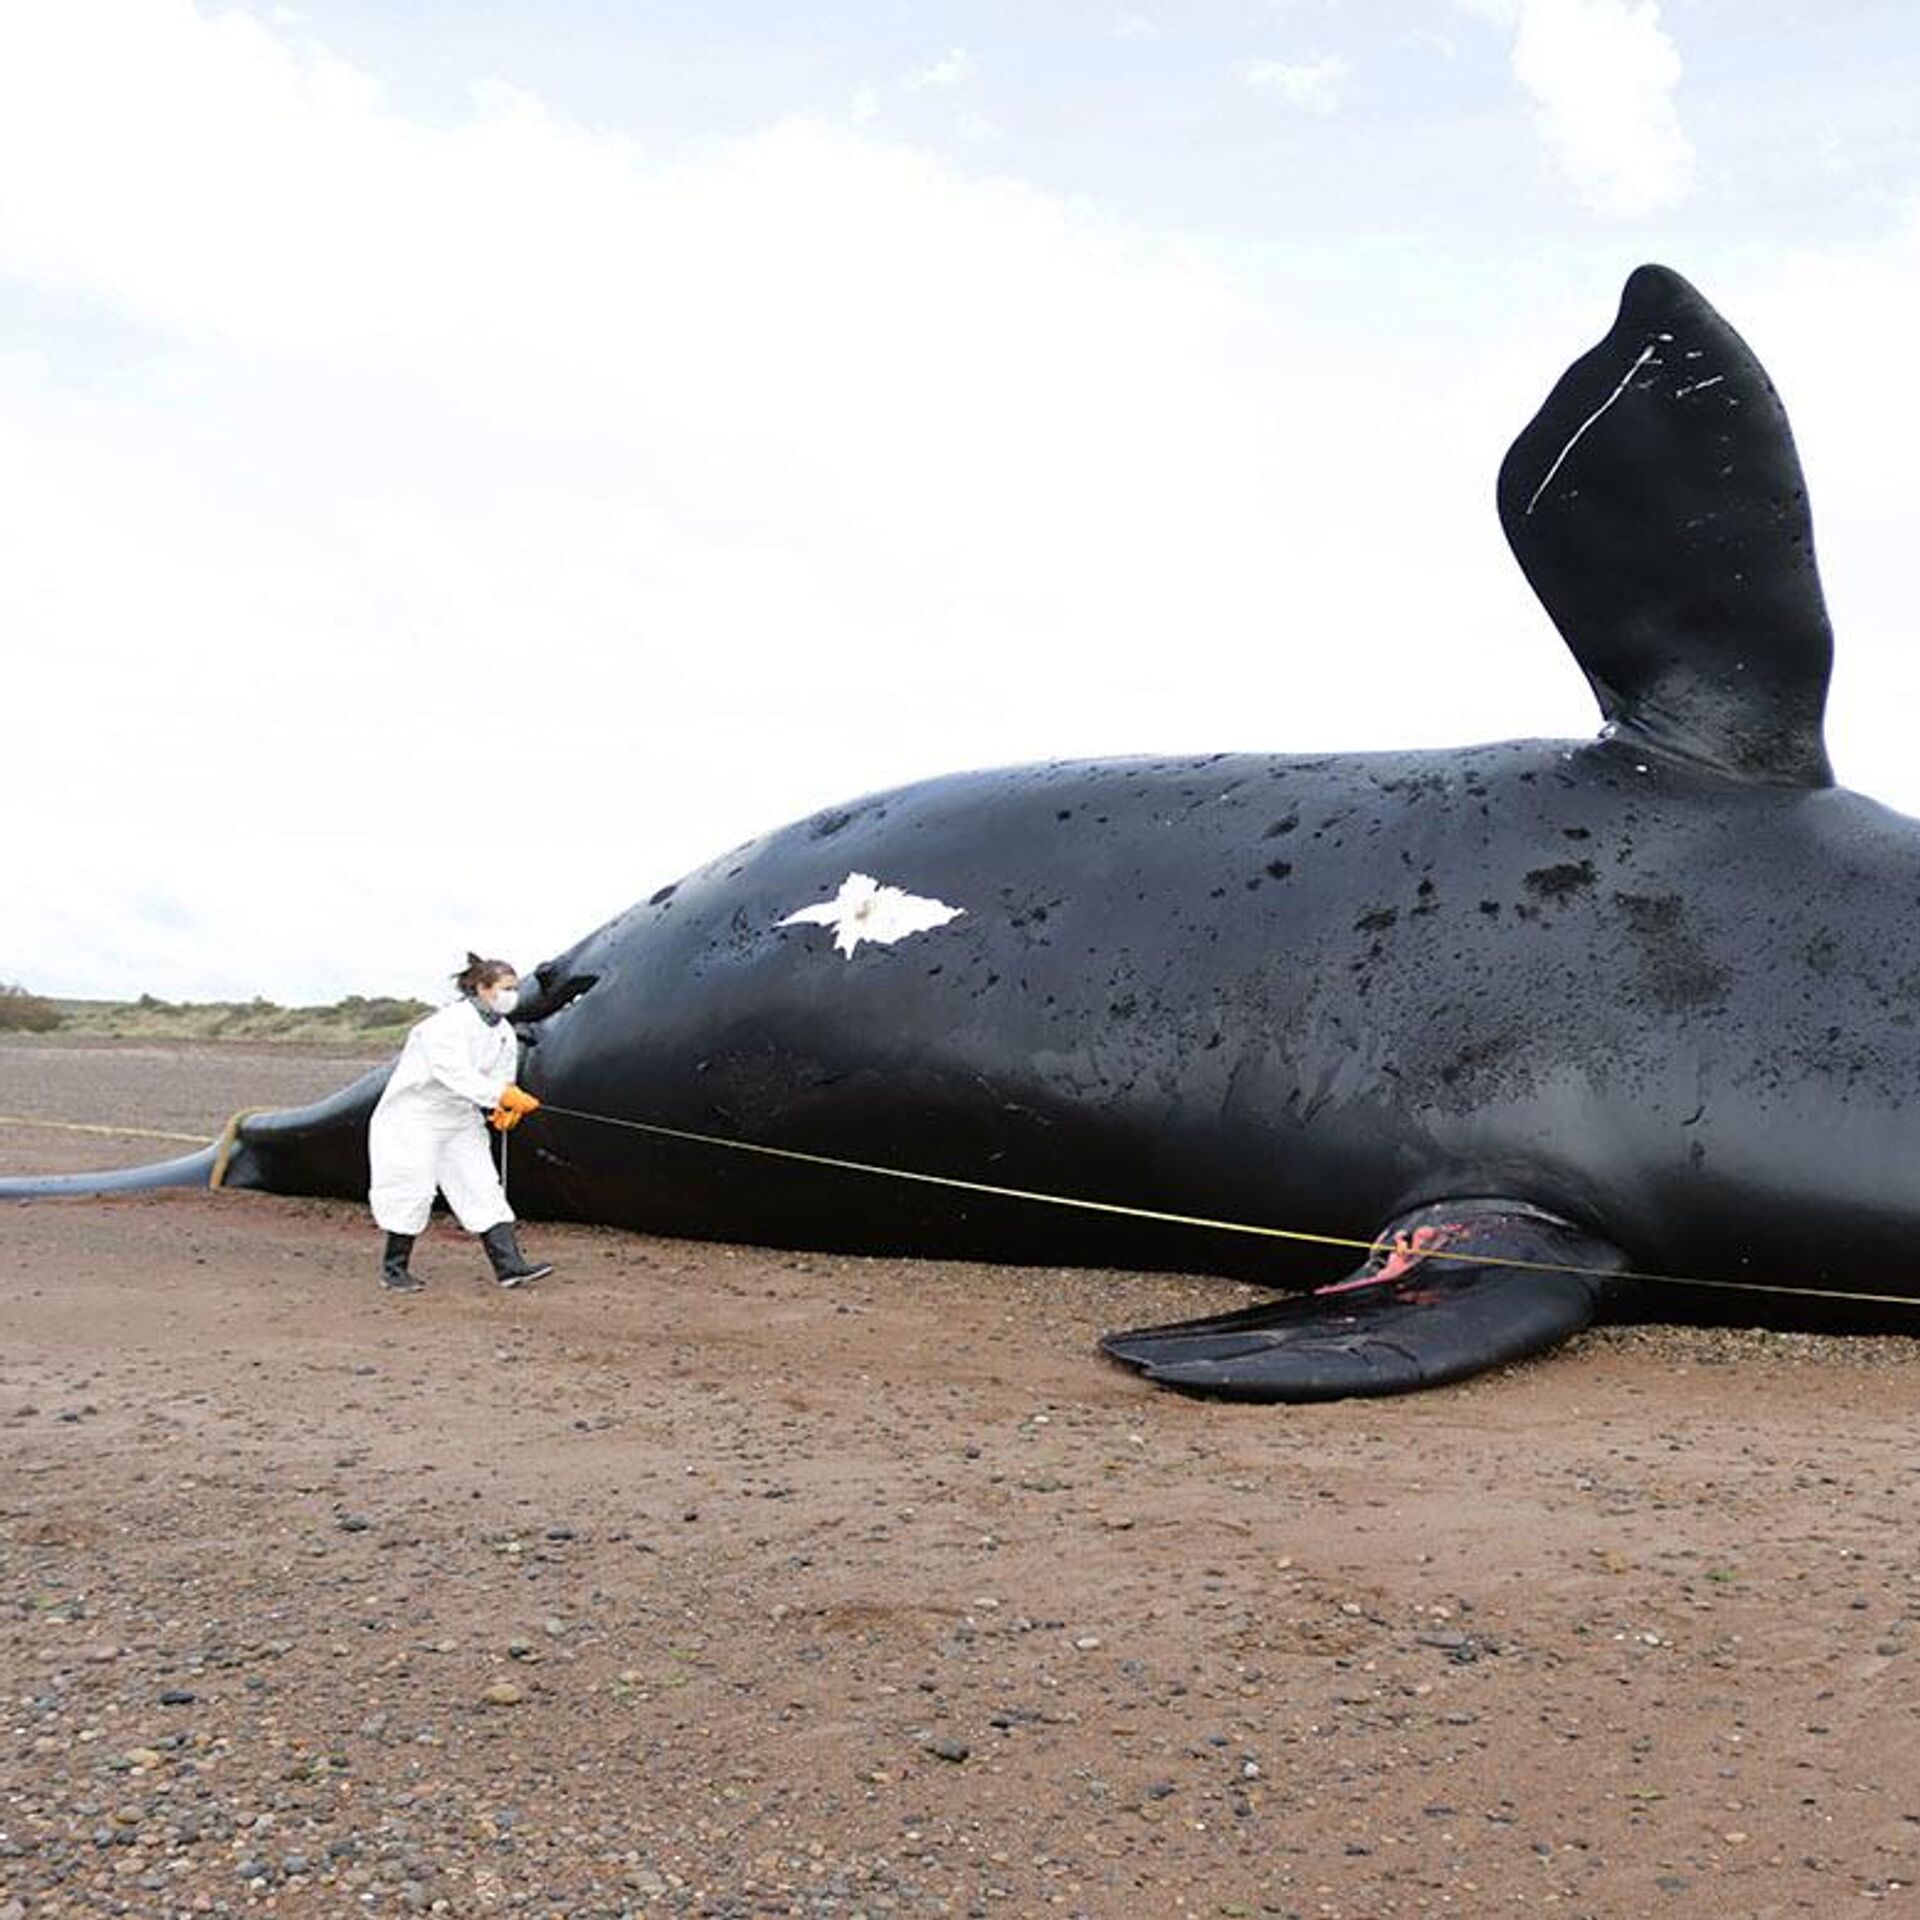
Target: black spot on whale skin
[(1377, 920), (1481, 1056), (1676, 966), (1561, 881)]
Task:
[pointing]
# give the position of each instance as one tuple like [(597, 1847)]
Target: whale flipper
[(321, 1148), (189, 1170), (1405, 1320), (1656, 505)]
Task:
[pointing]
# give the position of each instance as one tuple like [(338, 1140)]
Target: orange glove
[(515, 1104)]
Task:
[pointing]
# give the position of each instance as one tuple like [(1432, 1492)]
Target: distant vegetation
[(354, 1021), (24, 1012)]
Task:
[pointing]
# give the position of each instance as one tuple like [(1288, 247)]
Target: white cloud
[(1602, 74), (1134, 26), (1313, 86), (466, 510), (954, 68)]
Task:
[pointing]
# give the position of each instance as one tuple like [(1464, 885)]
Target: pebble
[(503, 1693)]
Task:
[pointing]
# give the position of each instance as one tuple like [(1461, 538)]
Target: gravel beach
[(713, 1580)]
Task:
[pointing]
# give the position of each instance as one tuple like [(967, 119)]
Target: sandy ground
[(711, 1580)]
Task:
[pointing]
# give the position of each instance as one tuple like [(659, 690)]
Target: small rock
[(954, 1750), (354, 1523), (503, 1693)]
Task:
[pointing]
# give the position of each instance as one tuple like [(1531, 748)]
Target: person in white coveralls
[(427, 1131)]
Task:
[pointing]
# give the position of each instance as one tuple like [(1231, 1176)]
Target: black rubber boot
[(393, 1269), (511, 1267)]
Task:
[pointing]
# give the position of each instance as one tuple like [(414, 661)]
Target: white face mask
[(506, 999)]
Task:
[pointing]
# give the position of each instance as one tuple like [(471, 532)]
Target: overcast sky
[(462, 465)]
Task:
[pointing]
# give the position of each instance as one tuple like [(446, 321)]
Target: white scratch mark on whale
[(1646, 354), (865, 910)]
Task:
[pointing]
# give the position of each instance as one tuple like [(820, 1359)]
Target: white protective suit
[(429, 1129)]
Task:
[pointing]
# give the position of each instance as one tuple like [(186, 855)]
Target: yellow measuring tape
[(1295, 1235), (119, 1133), (229, 1136)]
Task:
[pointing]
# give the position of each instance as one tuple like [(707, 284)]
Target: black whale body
[(1534, 1013), (1314, 992)]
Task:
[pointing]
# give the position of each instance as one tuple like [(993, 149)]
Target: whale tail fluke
[(1656, 506), (317, 1149), (1422, 1311), (189, 1170)]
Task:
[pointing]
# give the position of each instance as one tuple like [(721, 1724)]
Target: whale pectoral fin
[(1446, 1294), (1655, 503)]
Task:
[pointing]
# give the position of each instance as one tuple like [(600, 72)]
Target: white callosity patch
[(865, 910)]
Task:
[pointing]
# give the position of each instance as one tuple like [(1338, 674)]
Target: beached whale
[(1533, 1018)]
